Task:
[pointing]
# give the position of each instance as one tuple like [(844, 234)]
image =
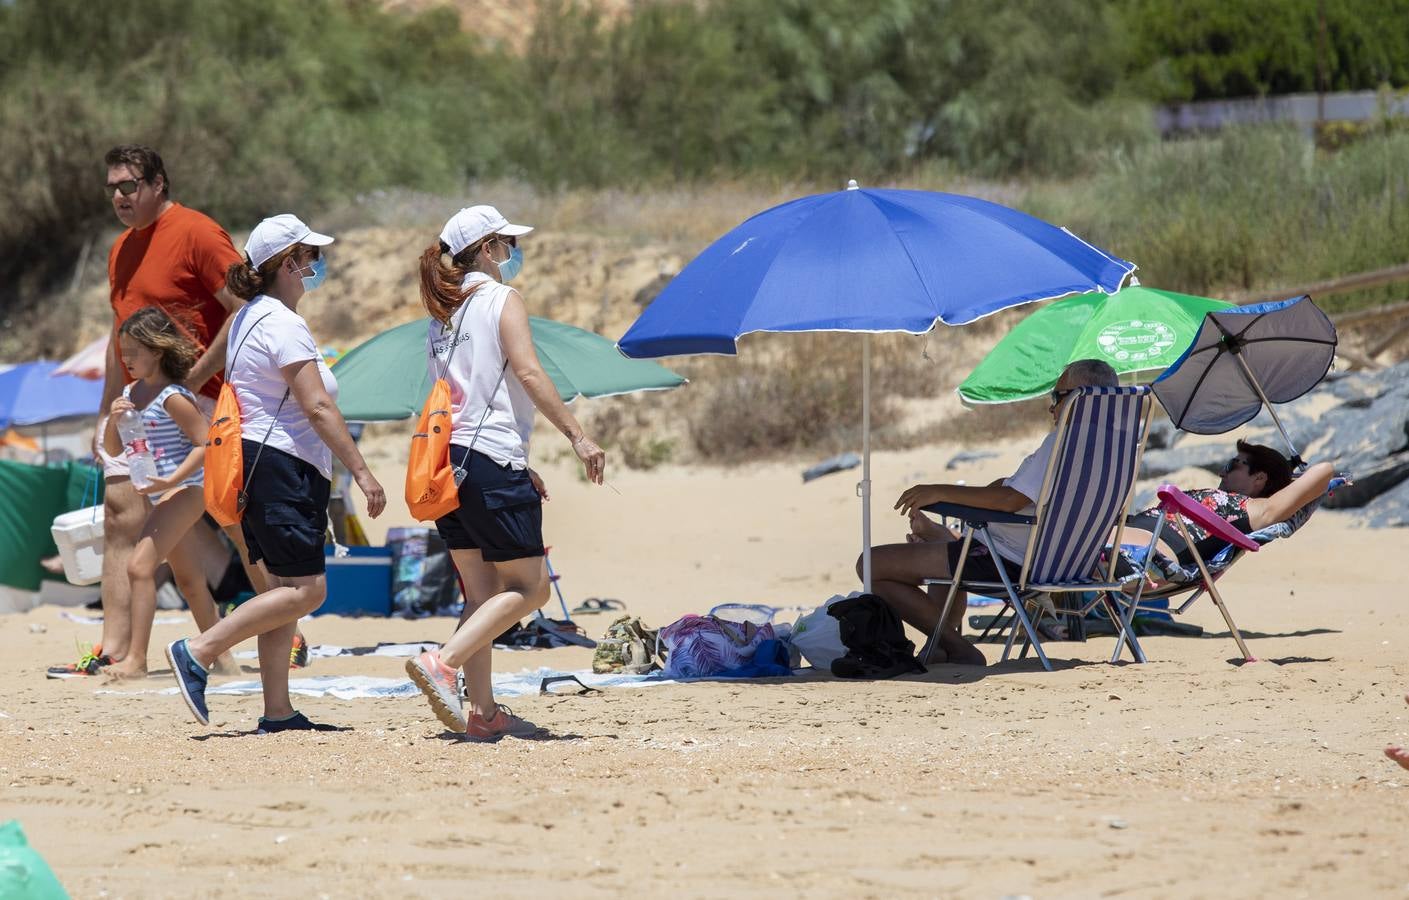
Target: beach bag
[(817, 636), (432, 483), (431, 491), (701, 646), (627, 648), (24, 875), (224, 487), (876, 645)]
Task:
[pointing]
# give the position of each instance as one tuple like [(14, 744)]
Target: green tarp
[(30, 498)]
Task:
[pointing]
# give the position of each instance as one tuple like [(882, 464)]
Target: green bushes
[(1251, 210), (261, 106)]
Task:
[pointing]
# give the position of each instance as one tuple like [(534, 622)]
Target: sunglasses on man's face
[(1057, 397), (127, 187)]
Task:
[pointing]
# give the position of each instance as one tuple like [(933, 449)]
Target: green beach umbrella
[(385, 378), (1139, 330)]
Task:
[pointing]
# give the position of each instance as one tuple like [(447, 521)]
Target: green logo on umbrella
[(1135, 340)]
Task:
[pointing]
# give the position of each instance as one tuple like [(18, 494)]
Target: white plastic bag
[(817, 636)]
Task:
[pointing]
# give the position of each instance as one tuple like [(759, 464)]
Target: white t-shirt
[(1010, 541), (479, 379), (275, 336)]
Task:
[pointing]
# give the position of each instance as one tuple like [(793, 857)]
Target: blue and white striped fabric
[(1093, 468), (166, 440)]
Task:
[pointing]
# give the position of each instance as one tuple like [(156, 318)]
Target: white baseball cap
[(278, 233), (474, 223)]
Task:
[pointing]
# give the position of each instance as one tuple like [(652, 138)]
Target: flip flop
[(596, 605)]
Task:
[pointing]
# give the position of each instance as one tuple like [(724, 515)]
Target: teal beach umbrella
[(1138, 330), (386, 378)]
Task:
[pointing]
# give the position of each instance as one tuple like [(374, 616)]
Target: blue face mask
[(511, 266), (320, 271)]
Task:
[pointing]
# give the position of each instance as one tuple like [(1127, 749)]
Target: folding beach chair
[(1079, 511), (1203, 575)]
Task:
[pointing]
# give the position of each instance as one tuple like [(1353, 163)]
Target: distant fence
[(1301, 110)]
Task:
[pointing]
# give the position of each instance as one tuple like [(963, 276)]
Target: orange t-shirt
[(177, 263)]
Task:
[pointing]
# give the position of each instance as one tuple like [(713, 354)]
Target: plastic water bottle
[(140, 462)]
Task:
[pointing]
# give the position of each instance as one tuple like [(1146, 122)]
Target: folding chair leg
[(1125, 636), (1031, 633), (954, 580), (1237, 635), (1213, 593)]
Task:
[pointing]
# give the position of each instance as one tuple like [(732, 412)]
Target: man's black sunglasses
[(127, 187)]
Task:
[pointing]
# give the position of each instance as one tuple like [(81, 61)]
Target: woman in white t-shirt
[(291, 429), (480, 338)]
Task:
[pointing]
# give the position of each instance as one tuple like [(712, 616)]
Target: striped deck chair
[(1201, 577), (1079, 511)]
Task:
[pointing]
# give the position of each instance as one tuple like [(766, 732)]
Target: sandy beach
[(1189, 776)]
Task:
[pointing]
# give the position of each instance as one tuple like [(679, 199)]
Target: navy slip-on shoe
[(296, 722), (190, 678)]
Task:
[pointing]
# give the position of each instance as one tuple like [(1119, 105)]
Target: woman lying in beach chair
[(1187, 541)]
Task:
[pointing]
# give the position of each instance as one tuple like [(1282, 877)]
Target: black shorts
[(980, 564), (500, 512), (287, 514)]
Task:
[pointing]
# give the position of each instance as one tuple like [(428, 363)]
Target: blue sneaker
[(190, 678)]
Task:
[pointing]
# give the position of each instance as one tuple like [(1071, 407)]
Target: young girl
[(160, 356)]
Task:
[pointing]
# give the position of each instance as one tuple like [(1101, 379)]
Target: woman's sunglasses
[(1233, 463)]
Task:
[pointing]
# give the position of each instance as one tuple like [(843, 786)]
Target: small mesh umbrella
[(1244, 359)]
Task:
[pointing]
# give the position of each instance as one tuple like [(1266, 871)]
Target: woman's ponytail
[(244, 280), (441, 290)]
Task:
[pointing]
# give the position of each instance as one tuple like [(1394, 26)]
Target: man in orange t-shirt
[(174, 258), (170, 256)]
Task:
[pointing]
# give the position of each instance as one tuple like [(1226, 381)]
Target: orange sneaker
[(437, 681), (502, 723)]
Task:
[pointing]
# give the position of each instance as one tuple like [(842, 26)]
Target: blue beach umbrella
[(868, 261), (30, 396)]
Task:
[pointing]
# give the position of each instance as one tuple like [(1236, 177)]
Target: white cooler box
[(79, 536)]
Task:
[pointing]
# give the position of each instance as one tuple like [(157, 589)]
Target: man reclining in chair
[(899, 570)]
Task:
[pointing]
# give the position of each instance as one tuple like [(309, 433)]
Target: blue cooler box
[(359, 584)]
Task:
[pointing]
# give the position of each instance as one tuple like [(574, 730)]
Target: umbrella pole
[(864, 488), (1296, 459)]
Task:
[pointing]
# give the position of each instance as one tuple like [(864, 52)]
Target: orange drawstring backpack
[(432, 483), (225, 495)]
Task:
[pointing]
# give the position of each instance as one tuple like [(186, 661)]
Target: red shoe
[(437, 681), (502, 723), (90, 662), (298, 654)]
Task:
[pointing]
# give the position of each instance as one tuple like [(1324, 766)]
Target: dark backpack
[(875, 641)]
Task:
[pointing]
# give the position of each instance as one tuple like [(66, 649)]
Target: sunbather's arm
[(998, 497), (1264, 511)]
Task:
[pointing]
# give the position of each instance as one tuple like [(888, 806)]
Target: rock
[(834, 464), (1366, 386), (1162, 435), (1158, 463), (1390, 509), (1370, 479), (1361, 437), (969, 456)]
